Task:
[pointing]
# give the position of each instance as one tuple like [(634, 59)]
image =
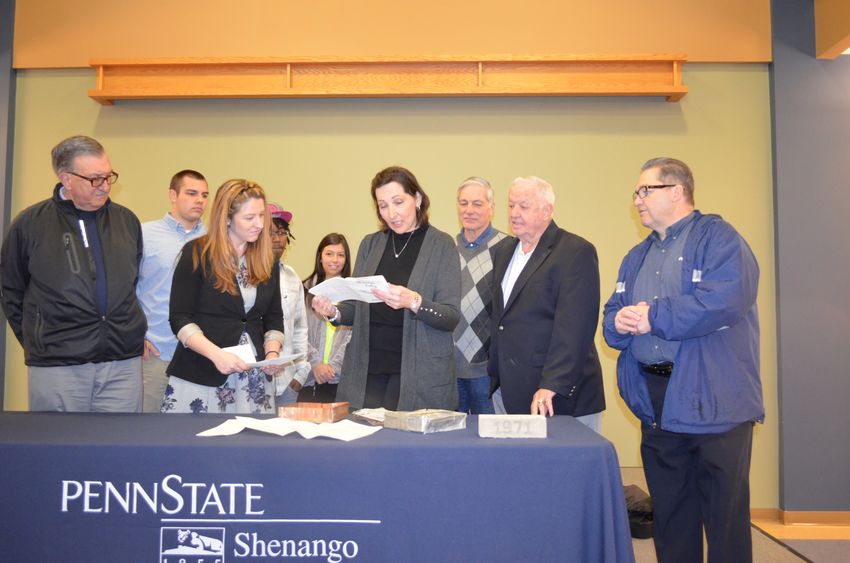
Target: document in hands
[(342, 289), (246, 354)]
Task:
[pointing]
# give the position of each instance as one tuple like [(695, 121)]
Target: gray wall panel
[(811, 115), (7, 127)]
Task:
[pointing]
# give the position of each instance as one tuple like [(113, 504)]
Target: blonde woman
[(225, 292)]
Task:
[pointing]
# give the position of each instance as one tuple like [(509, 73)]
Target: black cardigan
[(220, 315)]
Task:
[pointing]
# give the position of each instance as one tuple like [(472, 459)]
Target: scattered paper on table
[(226, 428), (343, 289), (345, 430)]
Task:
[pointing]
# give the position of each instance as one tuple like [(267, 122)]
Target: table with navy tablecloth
[(142, 487)]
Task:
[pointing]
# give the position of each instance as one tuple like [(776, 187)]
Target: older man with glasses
[(68, 271), (683, 316)]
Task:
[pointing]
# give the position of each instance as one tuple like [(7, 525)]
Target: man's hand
[(626, 320), (643, 326), (541, 403), (633, 319), (149, 349)]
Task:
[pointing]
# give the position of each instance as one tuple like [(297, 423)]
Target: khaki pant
[(101, 387), (155, 381)]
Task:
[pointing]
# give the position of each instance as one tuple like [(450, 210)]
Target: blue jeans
[(474, 395)]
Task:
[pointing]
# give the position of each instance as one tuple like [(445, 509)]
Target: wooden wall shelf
[(333, 77)]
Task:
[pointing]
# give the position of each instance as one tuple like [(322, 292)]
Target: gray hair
[(544, 188), (478, 181), (66, 151), (671, 170)]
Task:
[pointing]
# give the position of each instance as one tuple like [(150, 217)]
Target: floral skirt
[(243, 393)]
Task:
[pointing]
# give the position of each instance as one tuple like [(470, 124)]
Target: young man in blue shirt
[(163, 241)]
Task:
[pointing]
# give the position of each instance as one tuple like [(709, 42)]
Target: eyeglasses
[(98, 181), (278, 233), (644, 191)]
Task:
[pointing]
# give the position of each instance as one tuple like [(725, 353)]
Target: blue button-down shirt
[(660, 275), (163, 240)]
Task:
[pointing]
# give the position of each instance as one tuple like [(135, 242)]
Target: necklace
[(398, 253)]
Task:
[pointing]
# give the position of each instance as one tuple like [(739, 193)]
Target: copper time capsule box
[(314, 412)]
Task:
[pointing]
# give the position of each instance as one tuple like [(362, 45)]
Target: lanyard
[(330, 330)]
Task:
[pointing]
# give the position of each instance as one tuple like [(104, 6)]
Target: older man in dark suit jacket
[(545, 313)]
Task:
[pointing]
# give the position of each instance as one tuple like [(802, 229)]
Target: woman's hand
[(323, 373), (271, 370), (399, 297), (228, 363), (324, 307)]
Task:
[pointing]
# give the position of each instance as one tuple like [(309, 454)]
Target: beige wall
[(69, 33), (316, 157)]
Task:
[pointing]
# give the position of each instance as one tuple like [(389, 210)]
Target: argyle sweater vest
[(472, 334)]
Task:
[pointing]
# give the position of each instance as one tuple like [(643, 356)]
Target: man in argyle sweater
[(475, 242)]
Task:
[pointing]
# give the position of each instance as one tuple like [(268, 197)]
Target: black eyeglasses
[(279, 233), (644, 191), (98, 181)]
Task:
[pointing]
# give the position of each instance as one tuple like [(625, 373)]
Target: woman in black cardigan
[(225, 292)]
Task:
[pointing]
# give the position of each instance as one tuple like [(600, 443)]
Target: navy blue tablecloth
[(111, 487)]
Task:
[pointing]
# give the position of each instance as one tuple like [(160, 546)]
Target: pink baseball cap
[(278, 212)]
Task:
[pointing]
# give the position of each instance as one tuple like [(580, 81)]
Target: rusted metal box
[(314, 412)]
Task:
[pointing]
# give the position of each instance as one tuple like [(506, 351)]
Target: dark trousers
[(382, 391), (318, 393), (696, 481)]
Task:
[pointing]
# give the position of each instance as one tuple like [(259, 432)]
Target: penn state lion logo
[(194, 539), (191, 545)]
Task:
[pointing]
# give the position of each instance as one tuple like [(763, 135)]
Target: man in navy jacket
[(684, 318)]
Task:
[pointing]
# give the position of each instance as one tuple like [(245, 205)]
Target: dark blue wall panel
[(811, 128), (7, 118)]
